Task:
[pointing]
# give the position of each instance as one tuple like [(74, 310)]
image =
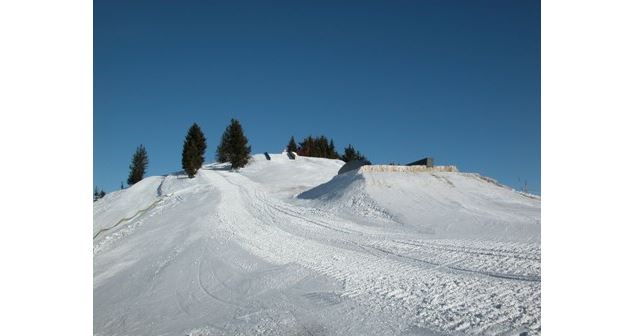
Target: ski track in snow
[(314, 272)]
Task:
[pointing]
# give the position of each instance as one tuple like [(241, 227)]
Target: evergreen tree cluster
[(234, 146), (318, 147), (138, 165), (325, 148), (194, 148), (350, 154), (98, 194)]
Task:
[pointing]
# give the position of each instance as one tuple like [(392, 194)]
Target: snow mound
[(284, 176), (440, 203)]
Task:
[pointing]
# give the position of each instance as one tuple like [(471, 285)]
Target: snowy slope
[(287, 247), (124, 204)]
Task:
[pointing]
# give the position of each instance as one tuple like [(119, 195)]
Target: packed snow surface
[(288, 247)]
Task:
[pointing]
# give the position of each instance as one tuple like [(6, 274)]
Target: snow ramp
[(437, 203)]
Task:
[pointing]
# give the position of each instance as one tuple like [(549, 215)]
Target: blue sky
[(455, 80)]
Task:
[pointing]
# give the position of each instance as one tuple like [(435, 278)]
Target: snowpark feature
[(289, 247)]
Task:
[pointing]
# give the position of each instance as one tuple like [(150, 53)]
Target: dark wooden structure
[(428, 162), (351, 165)]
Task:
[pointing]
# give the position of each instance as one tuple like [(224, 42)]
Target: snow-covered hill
[(287, 247)]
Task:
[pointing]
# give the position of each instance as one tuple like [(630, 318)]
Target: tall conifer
[(194, 148), (234, 146), (138, 165)]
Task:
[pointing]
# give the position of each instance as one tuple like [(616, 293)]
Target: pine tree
[(306, 147), (194, 148), (351, 154), (332, 153), (138, 165), (322, 147), (292, 147), (98, 194), (234, 146), (189, 158)]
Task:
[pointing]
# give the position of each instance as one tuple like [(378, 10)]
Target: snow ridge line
[(494, 182)]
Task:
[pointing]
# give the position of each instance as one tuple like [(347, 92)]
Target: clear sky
[(400, 80)]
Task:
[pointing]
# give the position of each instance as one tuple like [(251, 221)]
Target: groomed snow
[(287, 247)]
